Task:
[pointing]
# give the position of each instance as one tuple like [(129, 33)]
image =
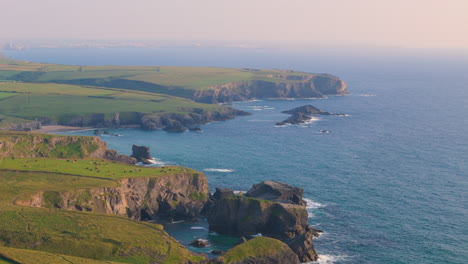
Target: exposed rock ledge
[(173, 122), (273, 209), (309, 86), (180, 196)]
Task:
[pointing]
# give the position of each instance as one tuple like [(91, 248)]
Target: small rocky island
[(302, 114)]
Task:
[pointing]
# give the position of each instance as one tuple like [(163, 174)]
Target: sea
[(388, 184)]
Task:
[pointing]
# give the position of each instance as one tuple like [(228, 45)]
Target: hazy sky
[(401, 23)]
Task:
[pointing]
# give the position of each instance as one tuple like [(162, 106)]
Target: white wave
[(154, 162), (218, 170), (257, 235), (239, 192), (197, 228), (365, 95), (312, 120), (313, 204), (177, 222), (329, 259)]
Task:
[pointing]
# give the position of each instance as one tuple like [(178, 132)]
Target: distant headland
[(149, 97)]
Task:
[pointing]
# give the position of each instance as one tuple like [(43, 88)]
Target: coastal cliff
[(273, 209), (310, 86), (173, 122), (175, 197)]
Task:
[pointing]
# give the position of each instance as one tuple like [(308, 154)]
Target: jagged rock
[(302, 114), (142, 154), (199, 243), (245, 216), (303, 246), (111, 154), (306, 86), (277, 191), (307, 110), (97, 132), (195, 129), (178, 197), (194, 116)]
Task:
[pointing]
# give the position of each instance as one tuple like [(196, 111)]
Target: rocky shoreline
[(302, 114), (275, 210)]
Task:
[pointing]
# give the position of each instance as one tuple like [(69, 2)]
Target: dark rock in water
[(232, 214), (306, 109), (325, 131), (111, 154), (302, 114), (106, 132), (142, 154), (97, 132), (199, 243), (174, 126), (216, 252), (222, 193), (274, 209), (277, 191), (303, 246), (195, 129)]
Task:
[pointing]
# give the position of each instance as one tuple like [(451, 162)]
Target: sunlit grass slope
[(73, 235)]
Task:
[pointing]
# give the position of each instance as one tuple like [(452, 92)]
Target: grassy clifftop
[(48, 235)]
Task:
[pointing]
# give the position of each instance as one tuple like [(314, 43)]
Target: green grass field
[(61, 102), (189, 78), (41, 235)]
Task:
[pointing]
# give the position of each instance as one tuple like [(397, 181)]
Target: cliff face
[(240, 215), (310, 86), (273, 209), (179, 122), (174, 122), (180, 196)]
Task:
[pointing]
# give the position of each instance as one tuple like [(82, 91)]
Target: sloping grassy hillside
[(60, 103), (194, 78), (73, 235)]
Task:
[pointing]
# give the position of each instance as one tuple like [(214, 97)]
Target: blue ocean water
[(388, 185)]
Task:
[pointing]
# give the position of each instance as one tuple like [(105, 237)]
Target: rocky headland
[(306, 86), (302, 114), (273, 209)]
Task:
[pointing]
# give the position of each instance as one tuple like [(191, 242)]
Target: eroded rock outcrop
[(277, 191), (306, 86), (245, 216), (180, 122), (273, 209), (302, 114), (142, 154), (180, 196)]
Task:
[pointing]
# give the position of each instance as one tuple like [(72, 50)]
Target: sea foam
[(329, 259), (218, 170)]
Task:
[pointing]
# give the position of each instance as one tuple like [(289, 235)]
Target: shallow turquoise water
[(389, 185)]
